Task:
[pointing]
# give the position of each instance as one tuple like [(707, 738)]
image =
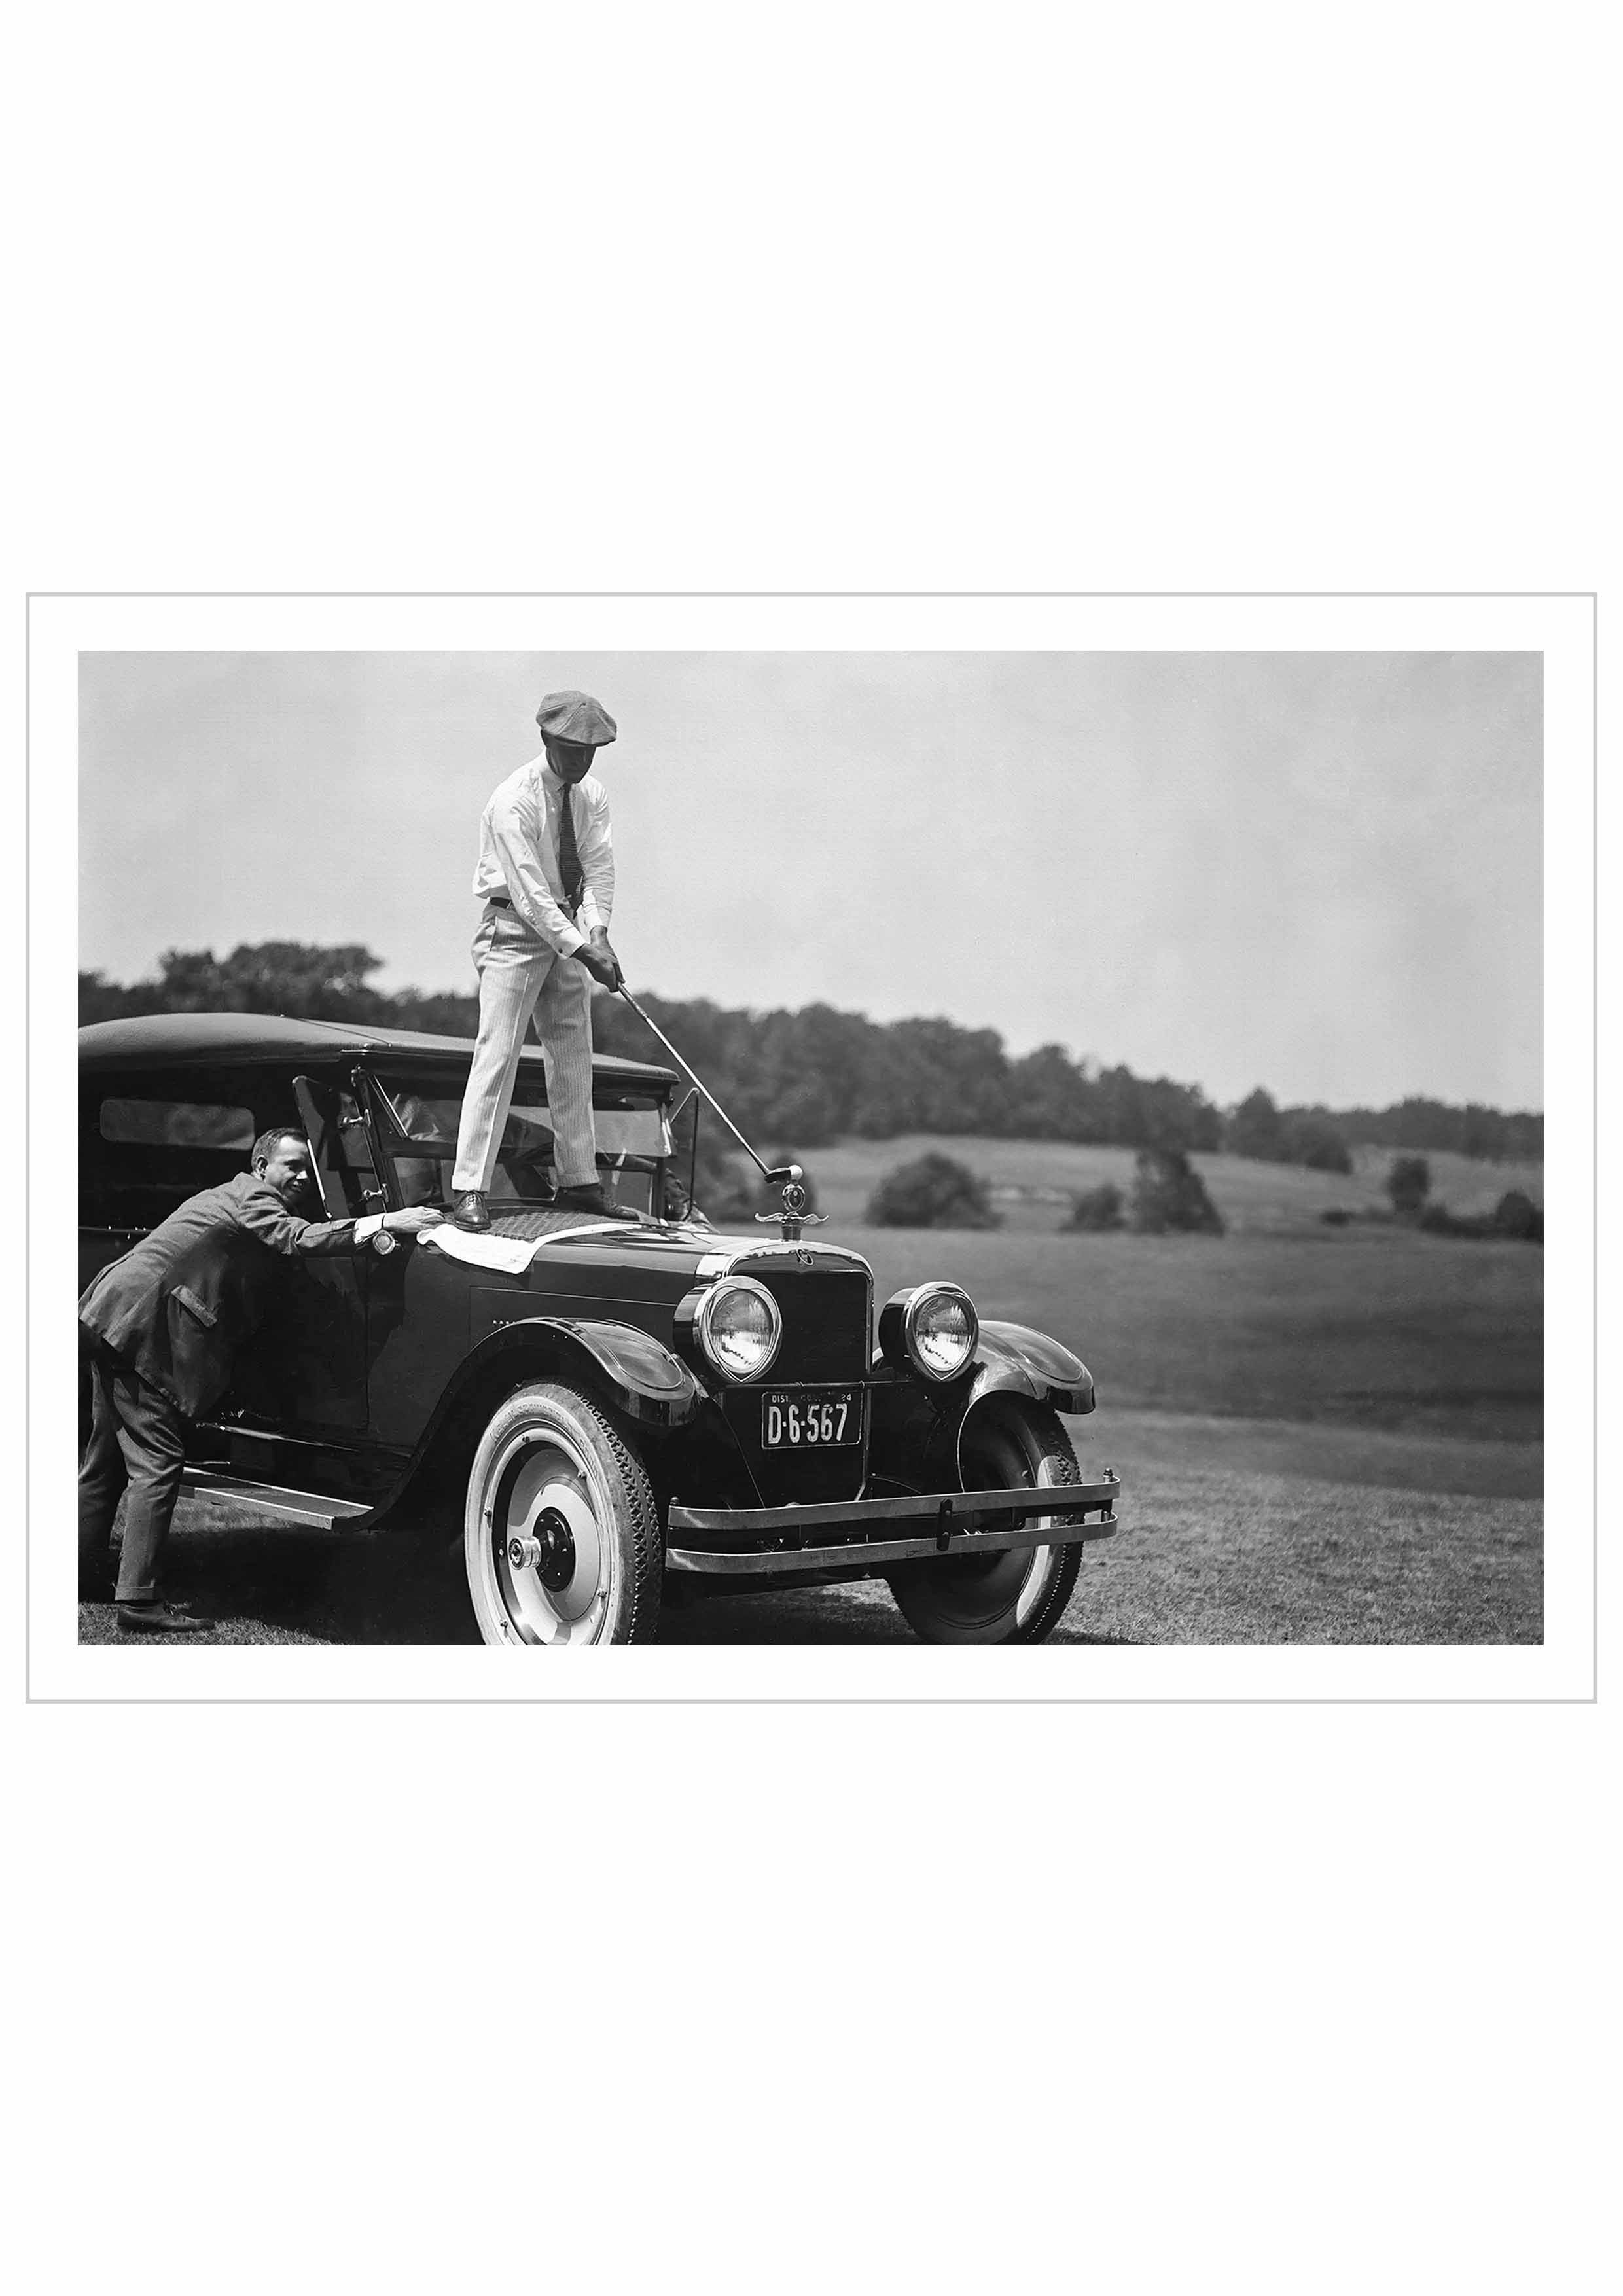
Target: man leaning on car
[(166, 1321)]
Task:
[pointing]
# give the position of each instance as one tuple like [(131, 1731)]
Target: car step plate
[(313, 1507)]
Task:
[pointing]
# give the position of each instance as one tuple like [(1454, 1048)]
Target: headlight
[(933, 1328), (738, 1327)]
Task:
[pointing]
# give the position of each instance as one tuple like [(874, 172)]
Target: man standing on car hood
[(166, 1321), (545, 875)]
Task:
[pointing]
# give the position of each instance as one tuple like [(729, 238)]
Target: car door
[(417, 1327), (307, 1367)]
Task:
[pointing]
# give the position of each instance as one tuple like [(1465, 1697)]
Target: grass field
[(1389, 1331), (1281, 1318), (1208, 1556), (1231, 1533)]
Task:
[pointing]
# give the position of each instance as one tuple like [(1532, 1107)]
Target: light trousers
[(519, 974)]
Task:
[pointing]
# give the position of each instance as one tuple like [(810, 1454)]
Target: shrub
[(1255, 1128), (932, 1191), (1408, 1183), (1169, 1195), (1519, 1218), (1094, 1211), (1314, 1141), (1515, 1217), (1436, 1219)]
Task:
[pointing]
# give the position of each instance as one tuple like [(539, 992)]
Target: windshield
[(633, 1140)]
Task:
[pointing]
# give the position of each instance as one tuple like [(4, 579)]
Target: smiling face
[(572, 761), (287, 1169)]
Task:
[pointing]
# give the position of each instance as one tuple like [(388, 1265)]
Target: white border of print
[(1560, 626)]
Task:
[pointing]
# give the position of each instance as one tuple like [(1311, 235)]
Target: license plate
[(810, 1418)]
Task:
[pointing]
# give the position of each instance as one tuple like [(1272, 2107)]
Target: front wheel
[(561, 1534), (1017, 1598)]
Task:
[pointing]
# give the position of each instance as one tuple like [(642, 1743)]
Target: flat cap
[(572, 717)]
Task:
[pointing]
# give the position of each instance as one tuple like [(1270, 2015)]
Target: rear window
[(177, 1124)]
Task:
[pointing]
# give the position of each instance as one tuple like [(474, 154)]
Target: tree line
[(811, 1077)]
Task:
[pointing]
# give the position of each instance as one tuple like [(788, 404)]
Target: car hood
[(522, 1240)]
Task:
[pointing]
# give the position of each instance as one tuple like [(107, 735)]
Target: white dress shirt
[(518, 854)]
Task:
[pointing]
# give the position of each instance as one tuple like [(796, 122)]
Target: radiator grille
[(827, 1310)]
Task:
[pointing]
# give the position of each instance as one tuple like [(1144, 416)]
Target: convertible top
[(175, 1039)]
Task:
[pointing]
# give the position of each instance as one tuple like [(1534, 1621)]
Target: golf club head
[(780, 1173)]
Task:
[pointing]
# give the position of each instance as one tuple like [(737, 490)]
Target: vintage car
[(616, 1412)]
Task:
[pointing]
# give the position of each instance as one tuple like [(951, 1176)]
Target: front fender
[(918, 1429), (625, 1367), (643, 1379), (1014, 1360)]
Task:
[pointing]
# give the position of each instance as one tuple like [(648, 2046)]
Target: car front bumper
[(758, 1542)]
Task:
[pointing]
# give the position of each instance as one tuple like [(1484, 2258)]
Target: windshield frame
[(388, 1081)]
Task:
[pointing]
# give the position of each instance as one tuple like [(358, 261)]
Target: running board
[(315, 1508)]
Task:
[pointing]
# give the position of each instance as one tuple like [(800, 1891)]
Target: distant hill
[(801, 1079)]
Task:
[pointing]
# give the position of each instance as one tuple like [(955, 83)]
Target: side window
[(340, 1149), (145, 1148), (175, 1124), (150, 1138)]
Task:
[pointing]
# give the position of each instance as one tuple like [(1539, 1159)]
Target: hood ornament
[(794, 1215)]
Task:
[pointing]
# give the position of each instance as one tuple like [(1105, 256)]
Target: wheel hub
[(548, 1550)]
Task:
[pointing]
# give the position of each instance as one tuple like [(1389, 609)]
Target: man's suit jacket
[(177, 1307)]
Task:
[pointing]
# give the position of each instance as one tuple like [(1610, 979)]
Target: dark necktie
[(569, 856)]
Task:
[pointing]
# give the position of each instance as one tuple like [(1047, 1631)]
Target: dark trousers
[(137, 1437)]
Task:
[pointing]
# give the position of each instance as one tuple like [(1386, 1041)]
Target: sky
[(1317, 873)]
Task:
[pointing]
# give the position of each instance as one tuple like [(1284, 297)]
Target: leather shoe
[(591, 1199), (471, 1211), (158, 1618)]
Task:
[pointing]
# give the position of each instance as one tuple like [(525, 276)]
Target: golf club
[(776, 1175)]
